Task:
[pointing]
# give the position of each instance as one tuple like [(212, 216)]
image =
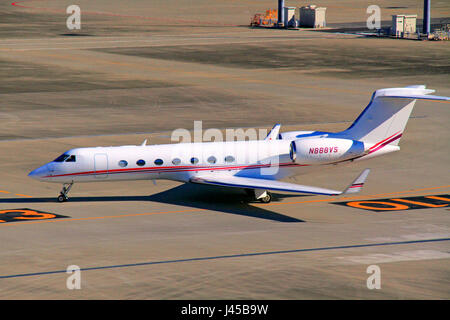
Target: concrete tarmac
[(137, 240)]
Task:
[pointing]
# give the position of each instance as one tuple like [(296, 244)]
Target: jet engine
[(325, 150)]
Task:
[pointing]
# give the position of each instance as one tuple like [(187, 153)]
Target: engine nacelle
[(325, 150)]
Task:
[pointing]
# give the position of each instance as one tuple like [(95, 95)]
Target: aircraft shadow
[(227, 200)]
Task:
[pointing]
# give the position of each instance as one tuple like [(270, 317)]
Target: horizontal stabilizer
[(409, 92), (418, 96)]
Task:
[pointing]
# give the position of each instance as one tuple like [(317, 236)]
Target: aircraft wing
[(266, 184)]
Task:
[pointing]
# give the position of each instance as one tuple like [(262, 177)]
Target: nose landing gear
[(65, 190)]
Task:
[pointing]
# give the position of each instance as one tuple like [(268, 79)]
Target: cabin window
[(140, 163), (123, 163), (159, 162), (194, 160), (229, 159), (212, 159), (71, 158), (176, 161)]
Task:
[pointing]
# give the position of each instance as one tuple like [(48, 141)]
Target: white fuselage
[(177, 162), (182, 161)]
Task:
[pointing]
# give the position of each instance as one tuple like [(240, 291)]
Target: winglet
[(274, 132), (144, 143), (357, 185)]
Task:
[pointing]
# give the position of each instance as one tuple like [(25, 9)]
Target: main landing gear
[(265, 197), (262, 195), (65, 190)]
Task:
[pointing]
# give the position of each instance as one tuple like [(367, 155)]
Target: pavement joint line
[(230, 256)]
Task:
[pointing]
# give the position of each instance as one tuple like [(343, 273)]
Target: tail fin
[(385, 118)]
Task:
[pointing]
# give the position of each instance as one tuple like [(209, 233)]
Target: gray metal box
[(312, 16)]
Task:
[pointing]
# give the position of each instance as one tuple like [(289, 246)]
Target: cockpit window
[(61, 158), (65, 158), (72, 158)]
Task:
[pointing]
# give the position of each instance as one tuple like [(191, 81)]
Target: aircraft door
[(101, 165)]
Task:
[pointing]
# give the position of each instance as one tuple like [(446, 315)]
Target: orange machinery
[(269, 19)]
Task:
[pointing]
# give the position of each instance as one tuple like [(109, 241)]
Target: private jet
[(256, 166)]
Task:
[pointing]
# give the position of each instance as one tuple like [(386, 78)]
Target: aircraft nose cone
[(38, 173)]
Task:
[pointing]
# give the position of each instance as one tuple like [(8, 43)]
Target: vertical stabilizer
[(385, 118)]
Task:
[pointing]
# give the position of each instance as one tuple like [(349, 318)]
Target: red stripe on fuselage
[(170, 169)]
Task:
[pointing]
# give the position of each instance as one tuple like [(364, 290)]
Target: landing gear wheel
[(267, 198), (65, 190)]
